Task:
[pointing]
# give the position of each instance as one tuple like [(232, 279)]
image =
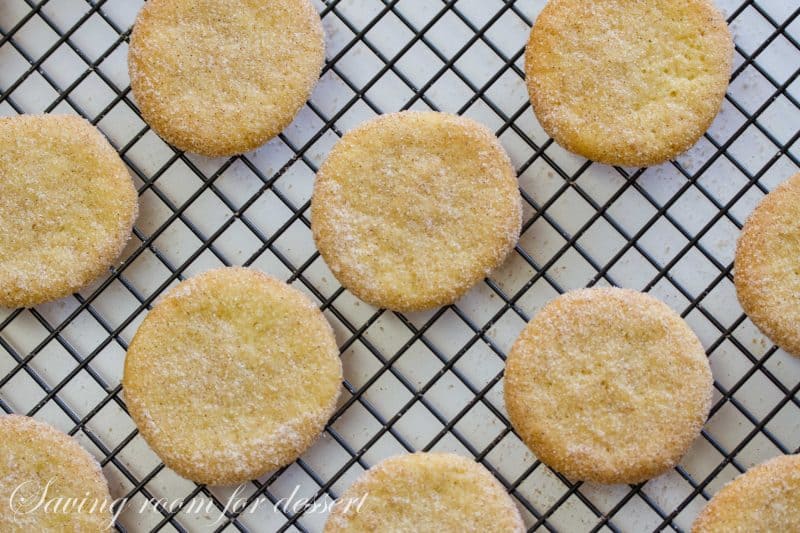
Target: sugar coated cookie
[(767, 274), (412, 209), (425, 492), (608, 385), (221, 77), (48, 482), (766, 498), (628, 83), (67, 207), (232, 374)]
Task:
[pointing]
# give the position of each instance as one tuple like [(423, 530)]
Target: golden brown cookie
[(425, 493), (67, 207), (412, 209), (232, 374), (767, 275), (766, 498), (608, 385), (628, 83), (48, 482), (221, 77)]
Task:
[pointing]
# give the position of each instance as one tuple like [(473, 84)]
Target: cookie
[(48, 482), (425, 492), (767, 266), (232, 374), (412, 209), (628, 83), (766, 498), (222, 77), (67, 207), (608, 385)]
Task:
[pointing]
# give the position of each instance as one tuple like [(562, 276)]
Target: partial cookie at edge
[(438, 491), (36, 461), (767, 265), (628, 83), (765, 498), (67, 207), (223, 77)]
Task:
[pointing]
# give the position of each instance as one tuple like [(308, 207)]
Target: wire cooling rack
[(429, 381)]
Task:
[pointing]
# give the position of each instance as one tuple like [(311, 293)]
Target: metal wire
[(478, 331)]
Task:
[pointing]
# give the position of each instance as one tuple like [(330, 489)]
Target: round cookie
[(412, 209), (766, 498), (425, 492), (222, 77), (67, 207), (38, 465), (767, 273), (628, 83), (232, 374), (608, 385)]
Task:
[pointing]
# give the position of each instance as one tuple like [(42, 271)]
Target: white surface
[(588, 220)]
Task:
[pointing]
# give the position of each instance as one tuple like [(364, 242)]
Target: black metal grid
[(419, 330)]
